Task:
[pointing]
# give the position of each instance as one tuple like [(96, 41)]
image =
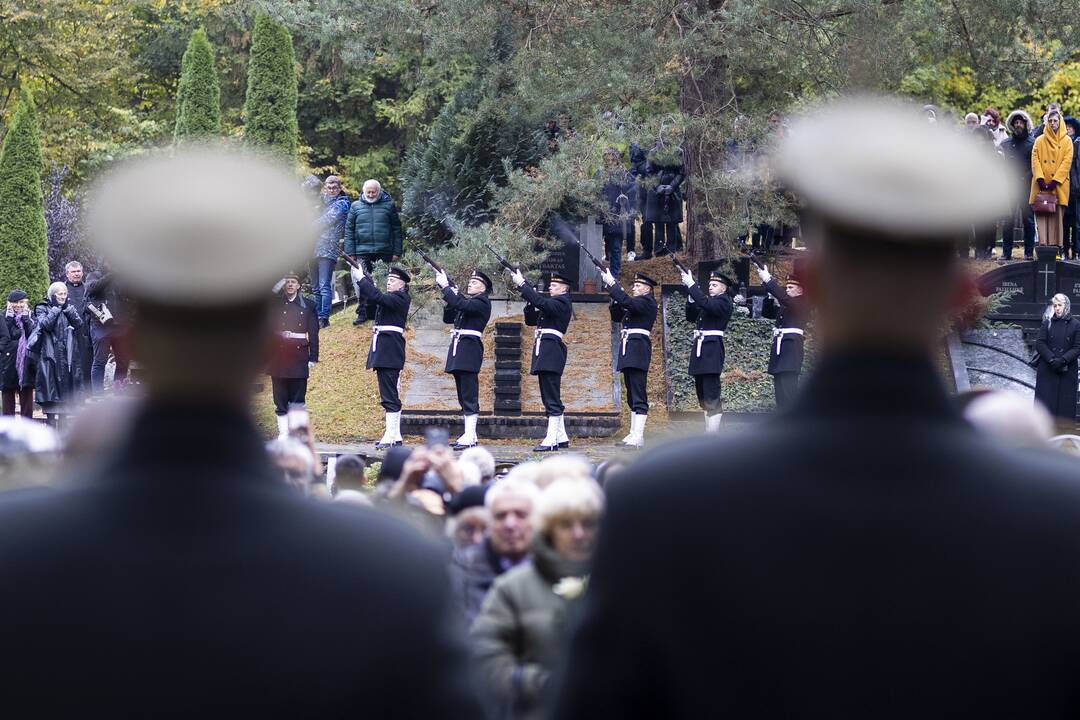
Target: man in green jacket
[(372, 232)]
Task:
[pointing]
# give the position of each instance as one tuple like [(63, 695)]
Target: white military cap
[(877, 164), (200, 226)]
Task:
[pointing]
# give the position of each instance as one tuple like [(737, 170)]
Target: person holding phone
[(296, 347)]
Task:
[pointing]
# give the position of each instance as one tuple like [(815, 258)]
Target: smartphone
[(436, 437), (298, 417)]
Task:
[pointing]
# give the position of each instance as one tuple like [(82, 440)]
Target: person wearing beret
[(18, 369), (867, 553), (296, 347), (637, 312), (178, 575), (469, 313), (551, 316), (386, 356), (710, 315), (786, 349)]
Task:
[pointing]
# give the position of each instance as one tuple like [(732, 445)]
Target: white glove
[(687, 279), (608, 278), (441, 280), (311, 365), (764, 274), (278, 285), (517, 278), (357, 273)]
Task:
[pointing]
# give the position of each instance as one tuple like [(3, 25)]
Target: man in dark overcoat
[(82, 350), (786, 349), (662, 210), (867, 554), (386, 356), (710, 315), (469, 313), (637, 313), (551, 316), (296, 347), (180, 576)]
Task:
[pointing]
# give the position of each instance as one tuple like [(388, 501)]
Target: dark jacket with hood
[(1017, 148)]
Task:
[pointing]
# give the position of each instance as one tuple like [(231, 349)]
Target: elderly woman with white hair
[(519, 634), (53, 343), (1058, 347)]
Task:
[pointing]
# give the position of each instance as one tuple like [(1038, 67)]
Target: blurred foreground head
[(198, 236), (888, 197)]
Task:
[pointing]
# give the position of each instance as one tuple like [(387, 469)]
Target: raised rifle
[(678, 264), (754, 259), (502, 261), (434, 265), (600, 264), (365, 263)]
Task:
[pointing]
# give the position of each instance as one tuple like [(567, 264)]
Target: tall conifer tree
[(270, 105), (24, 261), (198, 98)]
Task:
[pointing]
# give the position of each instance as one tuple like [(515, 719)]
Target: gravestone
[(567, 259), (997, 358)]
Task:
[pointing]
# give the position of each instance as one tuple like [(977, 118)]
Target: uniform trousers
[(468, 392), (551, 392), (288, 391), (785, 386), (708, 393), (637, 395), (388, 388)]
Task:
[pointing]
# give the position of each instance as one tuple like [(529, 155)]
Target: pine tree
[(270, 105), (24, 260), (198, 98)]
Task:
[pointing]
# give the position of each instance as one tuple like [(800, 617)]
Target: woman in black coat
[(1058, 347), (17, 367), (57, 321)]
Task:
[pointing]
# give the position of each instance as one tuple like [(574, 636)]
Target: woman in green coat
[(520, 631)]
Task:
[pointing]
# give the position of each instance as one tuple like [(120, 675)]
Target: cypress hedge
[(270, 104), (198, 97), (24, 261)]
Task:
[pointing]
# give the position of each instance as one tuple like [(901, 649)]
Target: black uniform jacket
[(708, 313), (637, 313), (292, 355), (387, 348), (553, 312), (466, 352), (794, 312), (867, 555), (182, 578)]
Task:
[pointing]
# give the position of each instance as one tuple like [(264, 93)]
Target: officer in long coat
[(469, 313), (179, 575), (637, 313), (296, 347), (710, 314), (551, 316), (867, 554), (387, 353), (786, 349)]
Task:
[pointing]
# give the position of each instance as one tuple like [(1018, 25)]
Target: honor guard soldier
[(551, 317), (387, 353), (878, 555), (637, 312), (711, 314), (786, 349), (469, 312), (296, 347)]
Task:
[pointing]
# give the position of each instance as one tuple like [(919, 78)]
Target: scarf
[(20, 353)]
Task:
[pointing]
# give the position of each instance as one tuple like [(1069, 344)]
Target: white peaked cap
[(877, 164), (200, 226)]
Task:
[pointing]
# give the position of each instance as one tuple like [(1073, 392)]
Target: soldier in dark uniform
[(786, 350), (637, 313), (296, 347), (387, 354), (469, 313), (551, 317), (711, 314), (868, 553), (180, 543)]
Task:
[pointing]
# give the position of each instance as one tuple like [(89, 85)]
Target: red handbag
[(1045, 203)]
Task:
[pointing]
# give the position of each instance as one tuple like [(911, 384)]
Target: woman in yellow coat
[(1051, 159)]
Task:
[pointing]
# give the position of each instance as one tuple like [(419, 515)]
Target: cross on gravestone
[(1046, 261)]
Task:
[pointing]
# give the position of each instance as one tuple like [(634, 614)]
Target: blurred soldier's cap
[(200, 226), (876, 164)]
